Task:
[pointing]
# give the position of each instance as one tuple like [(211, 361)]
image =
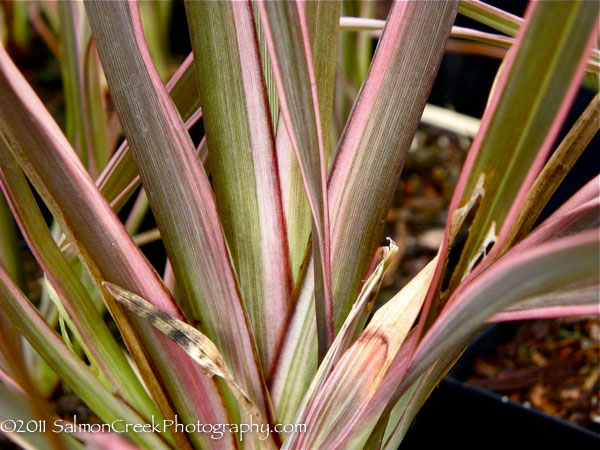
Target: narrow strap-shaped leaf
[(72, 62), (195, 344), (517, 275), (572, 302), (120, 173), (365, 173), (520, 274), (109, 408), (375, 25), (403, 413), (298, 358), (534, 88), (578, 213), (105, 351), (239, 133), (106, 250), (555, 170), (155, 17), (491, 16), (183, 89), (347, 333), (286, 32), (10, 254), (375, 140), (323, 30), (96, 107), (503, 21), (295, 204), (359, 372), (571, 299), (266, 65), (521, 120), (183, 205)]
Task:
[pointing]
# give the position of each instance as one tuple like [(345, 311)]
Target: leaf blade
[(239, 133), (111, 409), (286, 34), (185, 209), (549, 37), (65, 282), (374, 142), (103, 245)]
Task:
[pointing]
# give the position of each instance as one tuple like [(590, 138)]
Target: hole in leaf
[(458, 244)]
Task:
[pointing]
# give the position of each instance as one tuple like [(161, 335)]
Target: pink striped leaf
[(286, 33), (102, 349), (110, 408), (322, 19), (577, 214), (527, 106), (106, 250), (555, 170), (376, 141), (119, 179), (365, 175), (581, 298), (347, 333), (183, 204), (239, 133), (515, 276)]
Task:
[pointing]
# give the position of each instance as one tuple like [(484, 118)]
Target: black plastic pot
[(466, 416)]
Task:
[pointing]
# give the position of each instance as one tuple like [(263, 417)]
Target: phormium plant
[(260, 333)]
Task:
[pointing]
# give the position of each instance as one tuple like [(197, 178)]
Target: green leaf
[(239, 133), (491, 16), (406, 409), (322, 20), (534, 87), (119, 179), (364, 176), (156, 17), (102, 347), (287, 36), (183, 204), (10, 254), (295, 204), (96, 106), (323, 30), (109, 408), (555, 171), (374, 26), (105, 249), (72, 40)]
